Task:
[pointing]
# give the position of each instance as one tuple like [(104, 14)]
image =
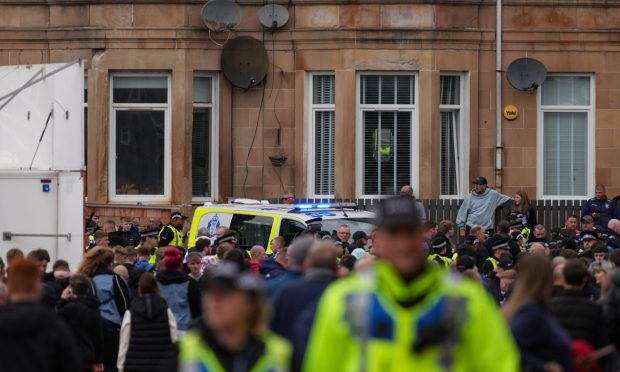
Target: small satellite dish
[(273, 16), (244, 62), (221, 15), (526, 74)]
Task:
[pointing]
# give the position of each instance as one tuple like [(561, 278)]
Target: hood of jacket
[(88, 301), (172, 277), (149, 306), (25, 319)]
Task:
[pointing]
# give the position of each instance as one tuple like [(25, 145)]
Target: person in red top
[(258, 256), (570, 225)]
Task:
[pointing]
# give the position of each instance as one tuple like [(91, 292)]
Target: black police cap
[(397, 211)]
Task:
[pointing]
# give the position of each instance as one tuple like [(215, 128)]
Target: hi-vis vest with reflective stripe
[(195, 355), (494, 262), (178, 236), (440, 260), (360, 326)]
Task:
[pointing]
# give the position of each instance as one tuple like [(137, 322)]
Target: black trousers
[(111, 340)]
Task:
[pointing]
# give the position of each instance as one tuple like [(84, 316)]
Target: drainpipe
[(499, 149)]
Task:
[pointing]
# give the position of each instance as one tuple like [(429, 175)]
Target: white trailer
[(42, 159)]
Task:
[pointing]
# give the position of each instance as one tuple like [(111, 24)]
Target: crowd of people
[(412, 294)]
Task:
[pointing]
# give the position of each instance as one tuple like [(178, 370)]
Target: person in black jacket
[(148, 331), (32, 337), (113, 296), (573, 309), (80, 309), (180, 291)]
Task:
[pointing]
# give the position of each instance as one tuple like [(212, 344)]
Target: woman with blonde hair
[(113, 296), (543, 344)]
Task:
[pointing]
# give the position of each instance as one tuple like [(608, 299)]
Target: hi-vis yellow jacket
[(375, 322)]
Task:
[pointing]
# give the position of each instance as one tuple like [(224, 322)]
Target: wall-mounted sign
[(511, 112)]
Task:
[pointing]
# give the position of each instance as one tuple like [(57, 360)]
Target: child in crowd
[(144, 255), (194, 264)]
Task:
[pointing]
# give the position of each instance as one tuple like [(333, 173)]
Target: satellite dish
[(526, 74), (221, 15), (273, 16), (244, 62)]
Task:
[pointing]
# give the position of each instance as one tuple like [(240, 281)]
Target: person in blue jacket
[(179, 290), (600, 208), (113, 295)]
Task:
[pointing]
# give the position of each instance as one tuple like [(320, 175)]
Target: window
[(203, 135), (140, 137), (567, 151), (252, 230), (386, 139), (322, 134), (290, 229), (452, 130)]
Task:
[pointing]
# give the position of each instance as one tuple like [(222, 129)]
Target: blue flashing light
[(303, 206), (323, 206)]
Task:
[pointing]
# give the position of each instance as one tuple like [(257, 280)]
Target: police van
[(257, 223)]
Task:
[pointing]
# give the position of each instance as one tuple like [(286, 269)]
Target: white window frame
[(591, 150), (215, 124), (113, 107), (311, 108), (414, 182), (463, 138), (85, 120)]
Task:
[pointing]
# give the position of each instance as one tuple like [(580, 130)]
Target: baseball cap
[(397, 211), (480, 181), (587, 219), (228, 277), (177, 215), (359, 235)]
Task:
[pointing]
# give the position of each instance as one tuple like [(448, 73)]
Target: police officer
[(171, 235), (404, 315), (440, 253), (149, 241), (233, 336), (499, 248), (600, 208)]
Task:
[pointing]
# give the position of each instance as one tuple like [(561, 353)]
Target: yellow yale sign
[(511, 112)]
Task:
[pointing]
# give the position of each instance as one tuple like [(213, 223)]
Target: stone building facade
[(361, 97)]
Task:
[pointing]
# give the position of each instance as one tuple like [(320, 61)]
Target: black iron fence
[(550, 213)]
